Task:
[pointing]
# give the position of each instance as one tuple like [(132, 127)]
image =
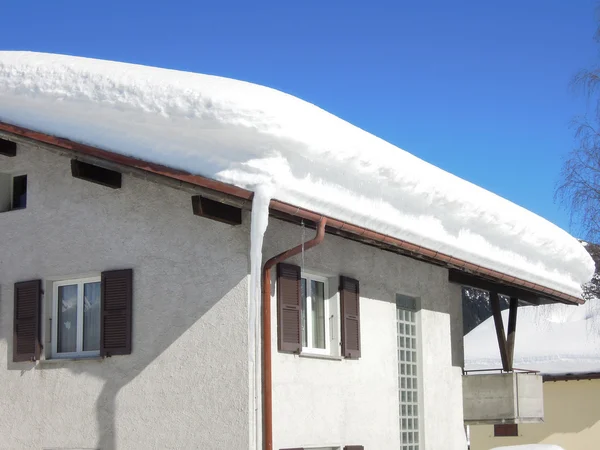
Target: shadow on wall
[(162, 314)]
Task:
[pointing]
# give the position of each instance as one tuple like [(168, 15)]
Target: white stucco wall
[(334, 403), (186, 382)]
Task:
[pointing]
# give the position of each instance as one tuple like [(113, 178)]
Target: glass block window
[(408, 373)]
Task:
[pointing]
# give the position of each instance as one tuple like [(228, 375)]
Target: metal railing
[(514, 370)]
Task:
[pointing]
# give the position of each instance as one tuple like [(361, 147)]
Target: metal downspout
[(266, 317)]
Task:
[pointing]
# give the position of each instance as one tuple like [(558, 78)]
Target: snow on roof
[(249, 135), (554, 339)]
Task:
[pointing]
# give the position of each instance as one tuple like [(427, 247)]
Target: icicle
[(303, 240), (258, 226)]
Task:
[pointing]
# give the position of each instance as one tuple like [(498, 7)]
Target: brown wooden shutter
[(289, 308), (350, 312), (354, 447), (117, 295), (27, 344)]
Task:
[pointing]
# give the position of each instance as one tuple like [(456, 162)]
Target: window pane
[(91, 316), (303, 297), (67, 319), (317, 291)]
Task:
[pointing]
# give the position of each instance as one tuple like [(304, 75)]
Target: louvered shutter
[(354, 447), (117, 295), (27, 344), (289, 308), (350, 312)]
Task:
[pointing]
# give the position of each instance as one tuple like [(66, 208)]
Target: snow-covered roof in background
[(249, 135), (554, 339)]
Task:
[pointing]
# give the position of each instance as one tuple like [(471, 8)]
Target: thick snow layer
[(530, 447), (250, 135), (554, 339)]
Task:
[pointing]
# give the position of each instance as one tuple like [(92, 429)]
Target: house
[(563, 344), (190, 261)]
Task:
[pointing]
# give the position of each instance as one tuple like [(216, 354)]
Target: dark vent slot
[(506, 429), (96, 174), (214, 210), (8, 148)]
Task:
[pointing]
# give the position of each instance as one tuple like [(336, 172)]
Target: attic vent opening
[(96, 174), (8, 148), (212, 209)]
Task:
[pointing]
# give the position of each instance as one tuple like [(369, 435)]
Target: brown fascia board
[(286, 210), (572, 377)]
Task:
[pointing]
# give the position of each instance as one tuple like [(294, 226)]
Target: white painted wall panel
[(186, 381), (336, 403)]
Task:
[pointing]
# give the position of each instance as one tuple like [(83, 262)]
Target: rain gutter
[(266, 327)]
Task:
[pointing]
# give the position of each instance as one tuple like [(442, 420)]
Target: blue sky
[(478, 88)]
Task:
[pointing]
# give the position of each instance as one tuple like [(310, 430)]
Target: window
[(408, 372), (76, 318), (13, 192), (506, 429), (88, 317), (315, 314), (19, 192)]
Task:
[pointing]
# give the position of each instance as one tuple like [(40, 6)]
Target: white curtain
[(91, 316), (317, 292), (67, 319)]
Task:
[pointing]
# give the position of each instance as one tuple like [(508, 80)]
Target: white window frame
[(79, 353), (309, 349)]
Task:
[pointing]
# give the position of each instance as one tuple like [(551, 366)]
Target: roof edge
[(572, 376), (334, 225)]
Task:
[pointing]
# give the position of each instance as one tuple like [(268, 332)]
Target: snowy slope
[(250, 135), (554, 339)]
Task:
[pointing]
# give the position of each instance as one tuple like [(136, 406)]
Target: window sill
[(319, 356), (12, 210), (71, 359)]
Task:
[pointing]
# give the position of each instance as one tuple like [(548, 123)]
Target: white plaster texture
[(320, 403), (185, 385)]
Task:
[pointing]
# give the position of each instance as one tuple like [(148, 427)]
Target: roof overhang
[(573, 376), (515, 288), (462, 272)]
